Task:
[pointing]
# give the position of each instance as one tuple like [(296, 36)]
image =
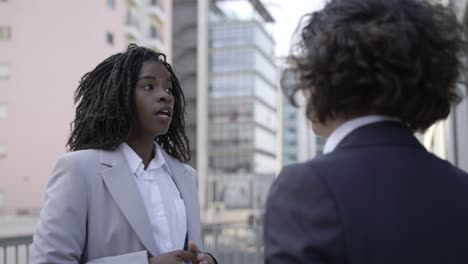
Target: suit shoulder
[(309, 168), (189, 168), (80, 155), (299, 176), (79, 158)]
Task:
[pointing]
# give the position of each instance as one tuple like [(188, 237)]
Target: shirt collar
[(349, 126), (135, 163)]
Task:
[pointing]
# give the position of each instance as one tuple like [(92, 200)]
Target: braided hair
[(105, 113)]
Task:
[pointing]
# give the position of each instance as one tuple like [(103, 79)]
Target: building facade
[(299, 143), (227, 70), (45, 48), (242, 111), (449, 138), (148, 23)]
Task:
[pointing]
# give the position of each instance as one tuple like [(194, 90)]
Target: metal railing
[(15, 249), (230, 243), (234, 243)]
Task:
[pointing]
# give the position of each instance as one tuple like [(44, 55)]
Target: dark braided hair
[(105, 113)]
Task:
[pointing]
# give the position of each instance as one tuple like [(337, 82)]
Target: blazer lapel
[(182, 181), (178, 174), (118, 179)]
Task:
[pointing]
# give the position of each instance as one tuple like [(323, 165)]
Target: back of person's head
[(400, 58)]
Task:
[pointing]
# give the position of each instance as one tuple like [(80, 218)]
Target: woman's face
[(154, 101)]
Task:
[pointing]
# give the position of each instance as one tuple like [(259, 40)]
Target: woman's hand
[(175, 257), (202, 258)]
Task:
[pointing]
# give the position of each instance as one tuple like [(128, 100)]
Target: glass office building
[(242, 112)]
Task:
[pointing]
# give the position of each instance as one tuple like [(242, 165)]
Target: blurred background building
[(448, 138), (239, 116), (299, 143), (148, 23), (45, 49), (242, 109)]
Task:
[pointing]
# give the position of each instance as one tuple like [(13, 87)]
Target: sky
[(287, 14)]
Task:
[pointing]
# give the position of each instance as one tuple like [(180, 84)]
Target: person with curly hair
[(123, 194), (373, 72)]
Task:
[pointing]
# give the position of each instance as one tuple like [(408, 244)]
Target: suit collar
[(118, 179), (122, 187), (382, 133), (349, 126), (179, 173), (185, 183)]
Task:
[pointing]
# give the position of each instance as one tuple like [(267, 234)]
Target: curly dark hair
[(105, 113), (400, 58)]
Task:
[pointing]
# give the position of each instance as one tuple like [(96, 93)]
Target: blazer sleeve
[(61, 232), (195, 175), (301, 223), (140, 257)]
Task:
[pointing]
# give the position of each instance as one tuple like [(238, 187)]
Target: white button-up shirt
[(162, 199), (349, 126)]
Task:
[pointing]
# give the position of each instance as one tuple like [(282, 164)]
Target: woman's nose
[(164, 96)]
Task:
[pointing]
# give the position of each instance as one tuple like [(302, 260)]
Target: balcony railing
[(234, 243), (230, 243), (15, 250), (154, 9)]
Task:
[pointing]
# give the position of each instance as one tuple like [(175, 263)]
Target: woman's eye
[(168, 90), (148, 87)]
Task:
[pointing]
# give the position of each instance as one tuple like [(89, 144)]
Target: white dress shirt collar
[(136, 163), (349, 126), (161, 198)]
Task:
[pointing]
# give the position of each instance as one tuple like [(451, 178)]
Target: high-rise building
[(148, 23), (185, 48), (299, 143), (242, 110), (228, 62), (45, 48)]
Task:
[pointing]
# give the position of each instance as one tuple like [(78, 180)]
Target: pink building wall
[(53, 44)]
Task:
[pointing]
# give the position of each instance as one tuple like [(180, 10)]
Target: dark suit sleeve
[(301, 220)]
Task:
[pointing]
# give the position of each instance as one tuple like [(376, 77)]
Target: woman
[(123, 194)]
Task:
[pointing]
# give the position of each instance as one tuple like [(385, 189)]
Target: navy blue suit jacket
[(379, 198)]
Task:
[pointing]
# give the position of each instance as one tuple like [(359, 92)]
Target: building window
[(111, 3), (3, 150), (3, 111), (153, 32), (110, 38), (5, 33), (4, 72)]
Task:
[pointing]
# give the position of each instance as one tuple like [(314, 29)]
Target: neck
[(325, 129), (143, 148)]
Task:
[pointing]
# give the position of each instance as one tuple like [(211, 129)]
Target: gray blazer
[(93, 211)]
